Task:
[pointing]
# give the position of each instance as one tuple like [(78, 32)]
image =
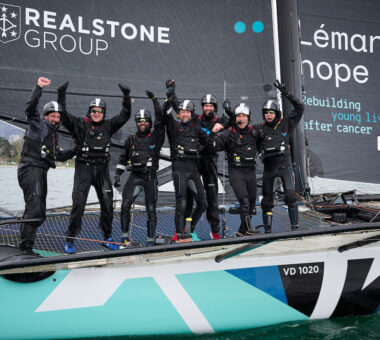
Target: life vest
[(187, 142), (243, 153), (40, 153), (273, 141), (96, 146), (142, 154)]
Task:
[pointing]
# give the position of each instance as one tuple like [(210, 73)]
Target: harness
[(96, 146), (243, 154), (187, 144), (142, 154), (273, 142)]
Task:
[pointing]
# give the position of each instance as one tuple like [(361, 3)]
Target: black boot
[(267, 221), (124, 224), (293, 216), (26, 246)]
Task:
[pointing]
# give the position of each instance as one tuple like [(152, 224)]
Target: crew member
[(141, 154), (39, 153), (186, 139), (207, 164), (275, 149), (92, 136), (240, 143)]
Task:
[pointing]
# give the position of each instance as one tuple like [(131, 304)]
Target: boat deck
[(51, 238)]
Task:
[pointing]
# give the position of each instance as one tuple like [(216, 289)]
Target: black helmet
[(52, 107), (186, 105), (143, 114), (97, 102), (210, 99), (242, 108), (272, 104)]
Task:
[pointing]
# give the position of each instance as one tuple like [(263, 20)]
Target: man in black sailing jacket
[(39, 153), (92, 136), (207, 164), (275, 149), (240, 143), (186, 140), (141, 154)]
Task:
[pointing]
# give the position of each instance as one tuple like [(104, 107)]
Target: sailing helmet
[(242, 108), (210, 99), (143, 114), (97, 102), (273, 105), (52, 107), (186, 105)]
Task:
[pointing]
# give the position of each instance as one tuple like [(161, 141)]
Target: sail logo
[(10, 23), (72, 32)]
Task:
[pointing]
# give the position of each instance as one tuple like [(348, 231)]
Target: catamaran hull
[(189, 292)]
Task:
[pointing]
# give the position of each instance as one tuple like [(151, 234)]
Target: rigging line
[(224, 171), (66, 133), (81, 94)]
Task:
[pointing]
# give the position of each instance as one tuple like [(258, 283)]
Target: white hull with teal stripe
[(186, 291)]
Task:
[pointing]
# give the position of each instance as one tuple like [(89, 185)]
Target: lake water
[(60, 186)]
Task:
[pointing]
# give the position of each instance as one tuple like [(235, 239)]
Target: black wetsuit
[(91, 166), (208, 169), (186, 141), (275, 149), (241, 148), (142, 152), (39, 153)]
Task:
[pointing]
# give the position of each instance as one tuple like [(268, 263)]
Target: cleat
[(109, 244), (69, 248), (215, 236), (194, 237)]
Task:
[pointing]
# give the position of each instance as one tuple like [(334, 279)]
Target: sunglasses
[(271, 112), (97, 111), (142, 120)]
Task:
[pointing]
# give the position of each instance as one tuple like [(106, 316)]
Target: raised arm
[(118, 121), (69, 121), (170, 90), (31, 105), (298, 107), (159, 126)]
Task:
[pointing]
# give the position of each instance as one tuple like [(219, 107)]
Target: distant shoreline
[(16, 165)]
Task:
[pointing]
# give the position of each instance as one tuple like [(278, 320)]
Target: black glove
[(281, 88), (169, 92), (150, 94), (125, 89), (62, 88), (116, 181), (170, 83), (227, 107), (61, 98)]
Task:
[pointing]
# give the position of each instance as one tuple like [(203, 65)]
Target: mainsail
[(221, 47)]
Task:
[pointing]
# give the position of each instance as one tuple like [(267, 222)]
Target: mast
[(291, 75)]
